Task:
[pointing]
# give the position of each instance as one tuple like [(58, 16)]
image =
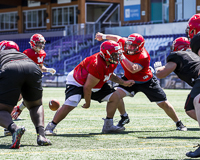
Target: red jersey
[(143, 59), (96, 66), (38, 58)]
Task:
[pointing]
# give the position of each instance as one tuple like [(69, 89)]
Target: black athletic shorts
[(194, 92), (196, 88), (151, 89), (97, 96), (189, 103), (20, 76)]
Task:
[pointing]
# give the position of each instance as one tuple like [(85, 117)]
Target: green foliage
[(151, 134)]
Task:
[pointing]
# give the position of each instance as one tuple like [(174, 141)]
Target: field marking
[(93, 150)]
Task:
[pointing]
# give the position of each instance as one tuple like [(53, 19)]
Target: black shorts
[(194, 92), (196, 88), (20, 76), (97, 96), (189, 103), (151, 89)]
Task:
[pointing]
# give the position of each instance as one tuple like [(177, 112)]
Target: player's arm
[(117, 79), (164, 71), (45, 69), (91, 81), (130, 66), (100, 36)]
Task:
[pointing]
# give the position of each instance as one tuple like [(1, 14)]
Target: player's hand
[(51, 70), (122, 57), (86, 106), (157, 65), (128, 83), (98, 36), (15, 112)]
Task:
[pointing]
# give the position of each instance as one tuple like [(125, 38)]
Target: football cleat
[(43, 141), (194, 154), (124, 120), (16, 137), (108, 127), (7, 132), (49, 129), (180, 126)]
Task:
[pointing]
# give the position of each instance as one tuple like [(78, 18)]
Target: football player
[(135, 62), (186, 65), (18, 73), (193, 26), (37, 54), (88, 80)]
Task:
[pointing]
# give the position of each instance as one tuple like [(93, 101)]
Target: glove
[(157, 65), (51, 70), (15, 112)]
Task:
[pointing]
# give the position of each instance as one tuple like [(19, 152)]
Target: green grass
[(150, 134)]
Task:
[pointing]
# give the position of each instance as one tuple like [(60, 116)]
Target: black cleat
[(124, 120), (180, 126), (194, 154)]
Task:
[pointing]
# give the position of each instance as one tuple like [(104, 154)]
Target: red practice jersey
[(96, 66), (143, 59), (38, 58)]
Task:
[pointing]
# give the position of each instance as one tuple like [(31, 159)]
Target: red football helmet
[(4, 45), (180, 44), (193, 26), (110, 51), (134, 44), (37, 42)]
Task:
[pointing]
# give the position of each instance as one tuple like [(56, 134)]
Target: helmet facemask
[(40, 45), (131, 48), (115, 57)]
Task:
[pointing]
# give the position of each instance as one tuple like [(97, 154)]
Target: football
[(54, 104)]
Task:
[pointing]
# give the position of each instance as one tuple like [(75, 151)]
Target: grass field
[(151, 134)]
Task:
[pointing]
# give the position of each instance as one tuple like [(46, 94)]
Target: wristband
[(104, 36)]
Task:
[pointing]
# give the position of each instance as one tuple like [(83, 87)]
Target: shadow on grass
[(94, 134), (173, 159), (193, 129), (6, 146)]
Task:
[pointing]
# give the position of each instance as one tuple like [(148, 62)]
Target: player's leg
[(156, 94), (189, 107), (196, 153), (73, 96), (121, 107), (169, 110), (36, 111), (9, 94), (31, 91), (123, 92), (112, 97), (15, 115)]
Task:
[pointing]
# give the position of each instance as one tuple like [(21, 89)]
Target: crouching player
[(37, 54), (88, 80), (18, 75)]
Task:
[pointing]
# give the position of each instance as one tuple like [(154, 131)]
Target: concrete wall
[(28, 35), (147, 30)]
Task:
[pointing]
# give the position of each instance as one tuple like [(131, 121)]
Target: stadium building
[(69, 26)]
